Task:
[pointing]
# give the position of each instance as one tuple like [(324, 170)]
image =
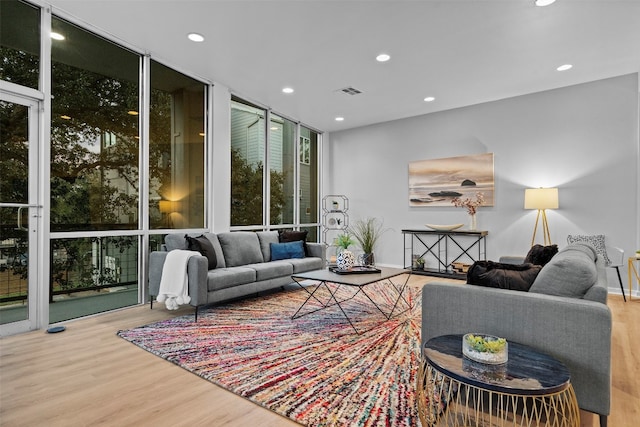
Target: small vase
[(345, 260), (473, 225)]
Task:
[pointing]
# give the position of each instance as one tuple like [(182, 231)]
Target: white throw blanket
[(174, 284)]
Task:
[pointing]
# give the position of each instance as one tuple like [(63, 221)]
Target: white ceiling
[(462, 52)]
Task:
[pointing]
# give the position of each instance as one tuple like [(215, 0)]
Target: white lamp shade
[(541, 198)]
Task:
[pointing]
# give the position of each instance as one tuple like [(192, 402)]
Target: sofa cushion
[(204, 246), (175, 241), (285, 236), (266, 238), (306, 264), (240, 248), (540, 255), (597, 241), (287, 250), (569, 274), (517, 277), (271, 270), (222, 278)]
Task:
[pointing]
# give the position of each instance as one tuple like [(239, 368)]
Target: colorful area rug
[(314, 370)]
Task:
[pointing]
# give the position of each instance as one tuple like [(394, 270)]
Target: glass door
[(19, 213)]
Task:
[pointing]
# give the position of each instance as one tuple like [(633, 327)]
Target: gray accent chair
[(244, 266), (574, 330)]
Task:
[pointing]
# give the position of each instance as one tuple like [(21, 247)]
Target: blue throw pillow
[(287, 250)]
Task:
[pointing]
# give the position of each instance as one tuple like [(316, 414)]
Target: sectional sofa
[(243, 265)]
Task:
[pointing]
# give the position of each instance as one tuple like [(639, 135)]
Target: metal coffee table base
[(332, 287)]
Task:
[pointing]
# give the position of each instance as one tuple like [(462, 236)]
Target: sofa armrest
[(196, 273), (156, 262), (575, 331), (317, 250)]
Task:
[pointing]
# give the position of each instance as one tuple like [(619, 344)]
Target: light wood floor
[(87, 376)]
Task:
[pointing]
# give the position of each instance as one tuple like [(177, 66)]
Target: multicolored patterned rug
[(315, 369)]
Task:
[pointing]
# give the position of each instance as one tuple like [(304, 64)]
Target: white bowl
[(450, 227)]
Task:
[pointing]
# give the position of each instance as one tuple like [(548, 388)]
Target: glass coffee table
[(530, 389), (357, 281)]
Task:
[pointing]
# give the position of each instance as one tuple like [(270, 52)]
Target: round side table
[(531, 389)]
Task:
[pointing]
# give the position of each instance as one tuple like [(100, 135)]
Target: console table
[(530, 389), (445, 248)]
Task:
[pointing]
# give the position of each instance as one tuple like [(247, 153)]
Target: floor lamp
[(541, 199)]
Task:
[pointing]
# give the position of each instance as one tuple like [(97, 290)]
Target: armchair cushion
[(505, 276), (569, 274)]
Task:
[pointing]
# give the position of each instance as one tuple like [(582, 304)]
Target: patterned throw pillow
[(597, 241)]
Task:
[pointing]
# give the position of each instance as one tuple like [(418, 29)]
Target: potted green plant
[(420, 263), (367, 231)]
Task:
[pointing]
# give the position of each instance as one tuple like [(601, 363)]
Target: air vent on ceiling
[(350, 91)]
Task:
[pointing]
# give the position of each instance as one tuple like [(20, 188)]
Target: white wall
[(582, 139)]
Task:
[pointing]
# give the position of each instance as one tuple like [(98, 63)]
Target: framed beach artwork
[(436, 182)]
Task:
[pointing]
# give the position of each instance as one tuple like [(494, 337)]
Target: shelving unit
[(335, 219)]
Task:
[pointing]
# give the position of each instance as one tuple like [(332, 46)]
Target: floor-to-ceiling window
[(309, 181), (248, 135), (95, 172), (286, 196), (176, 150)]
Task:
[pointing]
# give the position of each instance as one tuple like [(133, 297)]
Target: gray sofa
[(244, 266), (574, 329)]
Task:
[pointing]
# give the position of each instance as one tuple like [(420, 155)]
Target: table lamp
[(541, 199)]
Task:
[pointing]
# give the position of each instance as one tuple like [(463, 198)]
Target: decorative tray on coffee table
[(356, 269)]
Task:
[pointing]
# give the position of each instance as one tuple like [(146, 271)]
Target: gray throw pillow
[(570, 273)]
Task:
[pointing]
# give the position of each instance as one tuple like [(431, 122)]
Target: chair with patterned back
[(613, 256)]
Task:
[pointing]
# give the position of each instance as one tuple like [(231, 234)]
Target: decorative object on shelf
[(439, 227), (335, 205), (472, 207), (420, 263), (485, 348), (541, 199), (367, 231), (435, 182), (345, 259)]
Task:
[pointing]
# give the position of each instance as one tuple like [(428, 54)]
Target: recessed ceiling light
[(339, 119), (132, 113), (57, 36), (544, 2), (287, 90), (195, 37), (564, 67), (383, 57), (65, 117), (429, 99)]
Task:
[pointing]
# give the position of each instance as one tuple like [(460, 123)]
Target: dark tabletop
[(527, 372)]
